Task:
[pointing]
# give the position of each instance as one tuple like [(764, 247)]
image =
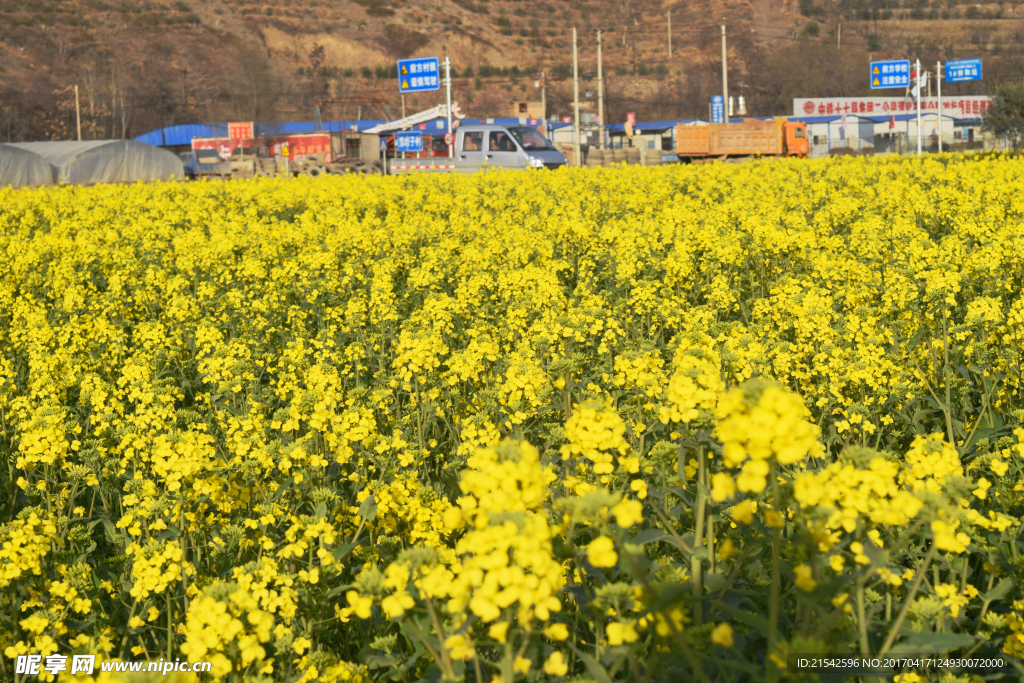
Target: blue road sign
[(960, 70), (383, 144), (717, 109), (409, 142), (418, 75), (891, 74)]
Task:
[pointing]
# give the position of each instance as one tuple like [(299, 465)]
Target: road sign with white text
[(960, 70), (717, 109), (409, 142), (418, 75), (891, 74)]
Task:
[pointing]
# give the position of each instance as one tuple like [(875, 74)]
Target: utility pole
[(938, 86), (78, 115), (917, 72), (669, 15), (403, 104), (839, 38), (448, 92), (544, 97), (725, 77), (575, 102), (600, 91)]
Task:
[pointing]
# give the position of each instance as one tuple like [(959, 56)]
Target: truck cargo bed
[(749, 138)]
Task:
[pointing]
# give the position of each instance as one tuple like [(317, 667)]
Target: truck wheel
[(314, 171)]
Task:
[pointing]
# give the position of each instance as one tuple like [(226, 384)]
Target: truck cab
[(797, 144)]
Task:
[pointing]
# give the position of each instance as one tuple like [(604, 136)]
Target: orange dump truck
[(749, 138)]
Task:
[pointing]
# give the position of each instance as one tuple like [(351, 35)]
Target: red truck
[(750, 138)]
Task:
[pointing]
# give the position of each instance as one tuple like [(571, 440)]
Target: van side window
[(472, 141), (799, 134), (501, 142)]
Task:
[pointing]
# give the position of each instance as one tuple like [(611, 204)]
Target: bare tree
[(253, 89)]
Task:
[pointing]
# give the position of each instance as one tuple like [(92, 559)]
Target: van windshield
[(529, 138)]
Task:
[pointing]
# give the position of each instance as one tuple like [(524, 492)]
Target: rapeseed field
[(627, 424)]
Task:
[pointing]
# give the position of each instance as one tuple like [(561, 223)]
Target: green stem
[(865, 647), (698, 539), (776, 587), (948, 409), (127, 629), (918, 578)]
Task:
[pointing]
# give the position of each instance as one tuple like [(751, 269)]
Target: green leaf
[(714, 581), (112, 534), (368, 509), (648, 536), (340, 553), (932, 642), (749, 618), (282, 488), (964, 372), (593, 666), (338, 589), (1000, 591)]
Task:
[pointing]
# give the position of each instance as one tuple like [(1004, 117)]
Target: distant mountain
[(140, 64)]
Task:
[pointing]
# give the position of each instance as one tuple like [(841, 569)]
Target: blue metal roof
[(649, 125), (885, 118), (814, 119), (182, 134), (904, 117)]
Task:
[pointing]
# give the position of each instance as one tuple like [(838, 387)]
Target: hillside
[(149, 63)]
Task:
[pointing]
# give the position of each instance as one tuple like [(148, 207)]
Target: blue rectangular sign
[(891, 74), (717, 109), (418, 75), (408, 142), (960, 70)]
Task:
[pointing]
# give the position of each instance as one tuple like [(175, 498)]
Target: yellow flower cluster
[(930, 462), (514, 426), (854, 493), (696, 385), (759, 423), (595, 432), (156, 566), (1014, 645), (506, 557), (24, 544)]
